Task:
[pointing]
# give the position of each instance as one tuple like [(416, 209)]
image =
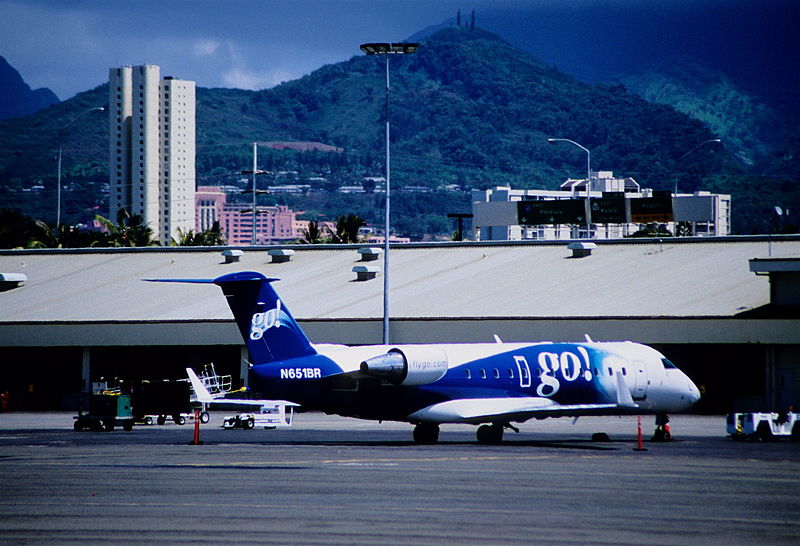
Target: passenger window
[(524, 373), (483, 373), (611, 371), (624, 371), (510, 373), (468, 373)]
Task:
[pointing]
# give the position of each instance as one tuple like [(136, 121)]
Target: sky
[(69, 45)]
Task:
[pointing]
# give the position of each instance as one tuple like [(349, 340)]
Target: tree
[(16, 229), (312, 235), (347, 227), (209, 237), (129, 230)]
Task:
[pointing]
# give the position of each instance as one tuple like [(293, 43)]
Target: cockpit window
[(668, 365)]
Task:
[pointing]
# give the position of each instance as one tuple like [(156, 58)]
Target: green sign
[(652, 209), (561, 211), (609, 210)]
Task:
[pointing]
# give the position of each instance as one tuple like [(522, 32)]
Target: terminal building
[(498, 214), (726, 310)]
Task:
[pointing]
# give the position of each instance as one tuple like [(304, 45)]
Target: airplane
[(491, 385)]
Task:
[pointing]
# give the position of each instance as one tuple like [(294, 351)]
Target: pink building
[(273, 224)]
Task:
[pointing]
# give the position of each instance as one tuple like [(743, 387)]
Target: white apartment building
[(496, 212), (152, 148)]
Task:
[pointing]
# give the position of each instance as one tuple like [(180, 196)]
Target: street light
[(60, 146), (387, 49), (710, 140), (588, 177), (255, 172)]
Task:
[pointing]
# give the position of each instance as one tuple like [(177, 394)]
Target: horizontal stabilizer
[(193, 281)]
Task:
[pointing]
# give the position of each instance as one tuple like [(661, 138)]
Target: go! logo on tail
[(261, 322)]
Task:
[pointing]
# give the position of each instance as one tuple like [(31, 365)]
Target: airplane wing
[(486, 410), (519, 409), (206, 397)]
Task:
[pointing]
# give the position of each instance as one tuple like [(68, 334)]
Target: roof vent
[(365, 272), (369, 254), (280, 255), (11, 280), (232, 255), (580, 249)]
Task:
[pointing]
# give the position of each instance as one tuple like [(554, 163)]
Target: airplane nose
[(694, 392)]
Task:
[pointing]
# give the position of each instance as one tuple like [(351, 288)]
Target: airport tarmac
[(331, 480)]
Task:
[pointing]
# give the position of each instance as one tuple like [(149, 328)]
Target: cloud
[(241, 78), (205, 47)]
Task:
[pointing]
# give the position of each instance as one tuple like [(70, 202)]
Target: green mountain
[(466, 109), (750, 128)]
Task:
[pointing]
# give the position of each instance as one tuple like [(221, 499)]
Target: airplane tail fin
[(267, 327)]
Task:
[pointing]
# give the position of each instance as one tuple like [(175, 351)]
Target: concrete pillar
[(86, 372), (244, 369)]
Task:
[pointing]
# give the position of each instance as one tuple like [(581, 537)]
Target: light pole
[(387, 49), (255, 172), (60, 147), (710, 140), (588, 178)]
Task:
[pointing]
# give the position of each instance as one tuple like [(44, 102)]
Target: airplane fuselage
[(568, 374)]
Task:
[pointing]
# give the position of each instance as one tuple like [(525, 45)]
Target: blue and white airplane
[(486, 384)]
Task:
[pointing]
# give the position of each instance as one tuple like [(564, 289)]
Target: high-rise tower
[(152, 148)]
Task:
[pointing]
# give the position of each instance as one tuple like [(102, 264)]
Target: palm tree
[(209, 237), (312, 235), (129, 230), (347, 227)]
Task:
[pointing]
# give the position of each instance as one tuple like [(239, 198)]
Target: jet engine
[(408, 366)]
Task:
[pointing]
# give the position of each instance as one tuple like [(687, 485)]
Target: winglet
[(624, 397), (200, 390)]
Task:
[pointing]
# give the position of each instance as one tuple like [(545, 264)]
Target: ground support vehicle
[(159, 400), (764, 426), (104, 412), (269, 416), (178, 419)]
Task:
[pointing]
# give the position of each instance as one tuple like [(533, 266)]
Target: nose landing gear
[(662, 433)]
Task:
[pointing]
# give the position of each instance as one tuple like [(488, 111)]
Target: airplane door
[(524, 371), (639, 380)]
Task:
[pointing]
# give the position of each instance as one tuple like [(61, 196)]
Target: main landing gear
[(490, 434), (428, 433)]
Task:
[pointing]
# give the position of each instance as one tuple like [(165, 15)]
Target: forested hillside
[(467, 109)]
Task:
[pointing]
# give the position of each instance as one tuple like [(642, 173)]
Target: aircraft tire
[(205, 417), (247, 424), (179, 419), (127, 426), (161, 419), (490, 434), (148, 420), (426, 433), (763, 432)]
